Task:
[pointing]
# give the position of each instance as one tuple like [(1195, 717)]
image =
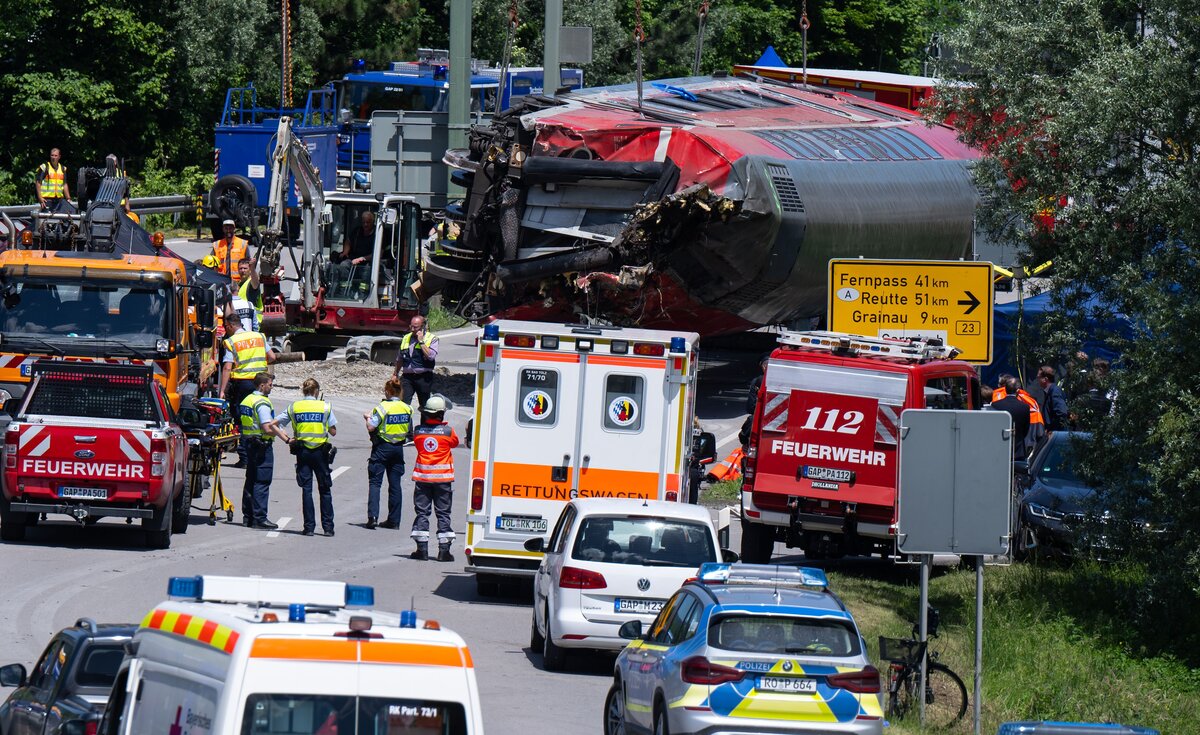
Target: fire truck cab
[(570, 411), (821, 466)]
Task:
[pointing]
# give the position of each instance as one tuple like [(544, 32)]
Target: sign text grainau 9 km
[(949, 299)]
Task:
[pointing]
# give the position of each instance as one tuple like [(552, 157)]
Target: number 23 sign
[(828, 418)]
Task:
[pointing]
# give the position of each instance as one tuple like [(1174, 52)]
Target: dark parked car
[(1058, 513), (67, 690)]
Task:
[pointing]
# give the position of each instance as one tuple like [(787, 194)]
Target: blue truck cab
[(245, 142)]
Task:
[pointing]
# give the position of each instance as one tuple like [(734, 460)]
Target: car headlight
[(5, 396), (1042, 511)]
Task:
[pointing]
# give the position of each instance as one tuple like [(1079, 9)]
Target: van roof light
[(764, 575), (273, 592), (907, 348)]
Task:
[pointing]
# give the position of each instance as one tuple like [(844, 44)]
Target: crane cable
[(285, 85), (804, 26), (702, 14), (639, 35), (513, 19)]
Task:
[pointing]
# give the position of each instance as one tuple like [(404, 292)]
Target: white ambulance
[(249, 655), (568, 411)]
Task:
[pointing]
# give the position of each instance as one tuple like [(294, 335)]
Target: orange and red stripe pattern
[(220, 637)]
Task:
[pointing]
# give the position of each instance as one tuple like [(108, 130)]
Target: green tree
[(1096, 100)]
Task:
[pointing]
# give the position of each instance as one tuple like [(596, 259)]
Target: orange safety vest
[(729, 468), (228, 257), (1035, 411), (434, 462)]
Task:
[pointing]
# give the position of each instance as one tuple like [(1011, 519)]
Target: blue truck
[(335, 125)]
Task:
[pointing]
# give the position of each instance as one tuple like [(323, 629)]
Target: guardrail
[(142, 205)]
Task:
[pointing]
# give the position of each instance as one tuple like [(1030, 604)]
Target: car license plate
[(83, 493), (637, 605), (787, 684), (827, 474), (26, 369), (523, 524)]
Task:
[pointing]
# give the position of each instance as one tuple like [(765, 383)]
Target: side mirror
[(729, 556), (537, 543), (206, 307), (13, 675), (630, 630), (1021, 468), (390, 216)]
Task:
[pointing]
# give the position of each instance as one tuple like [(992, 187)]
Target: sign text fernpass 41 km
[(948, 299)]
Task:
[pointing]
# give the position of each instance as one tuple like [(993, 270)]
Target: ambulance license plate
[(82, 493), (827, 474), (637, 605), (786, 684), (523, 524)]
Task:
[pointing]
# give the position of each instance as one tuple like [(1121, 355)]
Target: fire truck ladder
[(912, 348)]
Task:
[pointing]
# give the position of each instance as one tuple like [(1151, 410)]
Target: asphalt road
[(63, 571)]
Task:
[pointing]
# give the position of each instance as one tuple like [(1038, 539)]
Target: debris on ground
[(366, 379)]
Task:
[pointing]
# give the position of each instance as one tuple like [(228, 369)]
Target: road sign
[(955, 482), (949, 299)]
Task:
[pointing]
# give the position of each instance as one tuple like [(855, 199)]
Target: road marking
[(726, 439), (457, 332), (282, 525), (338, 471)]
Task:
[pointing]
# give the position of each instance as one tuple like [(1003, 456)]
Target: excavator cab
[(369, 251)]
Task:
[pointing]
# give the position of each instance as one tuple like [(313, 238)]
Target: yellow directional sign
[(949, 299)]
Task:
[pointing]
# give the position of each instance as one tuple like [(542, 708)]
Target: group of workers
[(246, 384)]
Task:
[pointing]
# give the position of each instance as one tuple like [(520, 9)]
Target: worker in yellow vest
[(246, 355), (260, 427), (51, 183), (389, 424), (313, 423)]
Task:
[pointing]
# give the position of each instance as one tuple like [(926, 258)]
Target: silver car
[(746, 648)]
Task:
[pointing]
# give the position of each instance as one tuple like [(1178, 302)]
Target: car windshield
[(84, 316), (778, 634), (1057, 462), (320, 714), (644, 540), (99, 666)]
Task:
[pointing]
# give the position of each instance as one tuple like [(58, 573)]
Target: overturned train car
[(714, 206)]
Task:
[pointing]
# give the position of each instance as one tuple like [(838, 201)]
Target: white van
[(256, 656), (569, 411)]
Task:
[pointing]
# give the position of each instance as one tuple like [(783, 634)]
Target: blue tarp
[(770, 58), (1029, 315)]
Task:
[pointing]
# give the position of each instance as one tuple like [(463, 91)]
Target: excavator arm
[(291, 160)]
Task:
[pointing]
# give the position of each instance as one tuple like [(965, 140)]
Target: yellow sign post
[(949, 299)]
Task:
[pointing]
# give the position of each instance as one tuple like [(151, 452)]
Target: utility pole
[(460, 72), (550, 55)]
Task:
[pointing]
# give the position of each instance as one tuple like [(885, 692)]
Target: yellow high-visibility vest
[(310, 421), (250, 354)]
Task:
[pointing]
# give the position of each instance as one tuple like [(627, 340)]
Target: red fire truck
[(95, 440), (821, 466)]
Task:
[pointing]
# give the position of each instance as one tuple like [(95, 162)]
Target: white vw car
[(609, 561)]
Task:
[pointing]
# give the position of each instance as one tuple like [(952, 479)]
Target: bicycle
[(945, 693)]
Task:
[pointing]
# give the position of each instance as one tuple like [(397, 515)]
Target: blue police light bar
[(1071, 728), (678, 344), (491, 332), (359, 595), (296, 613), (763, 574), (191, 588)]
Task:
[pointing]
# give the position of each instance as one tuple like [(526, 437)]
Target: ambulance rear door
[(628, 420), (533, 449)]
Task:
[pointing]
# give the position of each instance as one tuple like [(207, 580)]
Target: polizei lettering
[(104, 470), (823, 452)]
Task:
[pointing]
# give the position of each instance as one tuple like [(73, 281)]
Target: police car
[(747, 648)]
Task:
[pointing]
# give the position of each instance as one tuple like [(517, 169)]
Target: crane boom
[(291, 160)]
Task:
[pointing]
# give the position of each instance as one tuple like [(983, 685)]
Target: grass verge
[(439, 319), (721, 493), (1055, 646)]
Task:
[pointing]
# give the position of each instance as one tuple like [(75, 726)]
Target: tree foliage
[(1089, 102)]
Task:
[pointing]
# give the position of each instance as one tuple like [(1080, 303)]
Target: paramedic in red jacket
[(433, 474)]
